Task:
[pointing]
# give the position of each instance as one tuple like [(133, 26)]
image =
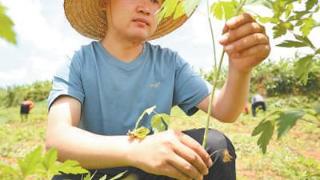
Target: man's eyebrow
[(160, 1)]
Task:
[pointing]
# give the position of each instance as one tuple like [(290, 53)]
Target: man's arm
[(229, 102), (247, 45), (92, 151), (169, 153)]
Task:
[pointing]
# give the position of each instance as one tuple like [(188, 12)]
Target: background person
[(25, 107), (257, 101)]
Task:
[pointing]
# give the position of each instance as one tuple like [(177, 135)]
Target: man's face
[(133, 19)]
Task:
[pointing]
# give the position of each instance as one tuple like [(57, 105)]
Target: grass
[(295, 156), (12, 114)]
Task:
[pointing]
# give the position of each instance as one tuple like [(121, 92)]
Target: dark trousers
[(219, 171), (256, 105)]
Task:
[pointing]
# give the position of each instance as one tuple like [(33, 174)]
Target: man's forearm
[(232, 97), (90, 150)]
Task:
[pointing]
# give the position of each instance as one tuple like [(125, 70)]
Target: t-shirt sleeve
[(189, 88), (67, 81)]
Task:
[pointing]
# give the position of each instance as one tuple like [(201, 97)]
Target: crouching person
[(98, 95)]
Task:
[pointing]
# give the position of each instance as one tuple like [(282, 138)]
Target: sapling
[(215, 82), (167, 11), (176, 9)]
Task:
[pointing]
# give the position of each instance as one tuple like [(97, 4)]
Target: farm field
[(295, 156), (223, 41)]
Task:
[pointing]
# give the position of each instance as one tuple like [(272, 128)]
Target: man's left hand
[(245, 41)]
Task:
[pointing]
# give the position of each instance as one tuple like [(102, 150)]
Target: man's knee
[(218, 144), (216, 141), (223, 156)]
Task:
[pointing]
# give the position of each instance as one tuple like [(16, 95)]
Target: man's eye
[(155, 1)]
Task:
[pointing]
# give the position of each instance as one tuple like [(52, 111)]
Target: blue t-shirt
[(114, 93)]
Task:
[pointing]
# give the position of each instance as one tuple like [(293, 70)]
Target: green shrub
[(13, 95)]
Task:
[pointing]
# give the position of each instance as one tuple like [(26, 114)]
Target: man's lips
[(141, 20)]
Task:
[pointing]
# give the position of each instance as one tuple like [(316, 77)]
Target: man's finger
[(246, 43), (184, 167), (225, 29), (192, 157), (244, 30), (196, 147), (173, 172), (264, 50), (237, 21)]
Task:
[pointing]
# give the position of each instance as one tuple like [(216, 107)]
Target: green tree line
[(276, 78), (13, 95)]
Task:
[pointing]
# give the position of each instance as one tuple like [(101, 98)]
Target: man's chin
[(140, 36)]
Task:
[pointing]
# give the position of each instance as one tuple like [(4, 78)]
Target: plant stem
[(215, 83), (212, 37)]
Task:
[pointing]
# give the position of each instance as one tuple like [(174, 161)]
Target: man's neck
[(122, 49)]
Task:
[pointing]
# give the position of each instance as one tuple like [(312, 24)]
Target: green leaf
[(304, 39), (287, 120), (266, 3), (139, 133), (72, 167), (266, 129), (287, 25), (89, 176), (302, 68), (159, 122), (50, 158), (264, 19), (288, 10), (307, 26), (50, 165), (298, 15), (31, 161), (217, 10), (103, 177), (279, 31), (311, 3), (9, 171), (224, 10), (118, 176), (290, 43), (6, 24)]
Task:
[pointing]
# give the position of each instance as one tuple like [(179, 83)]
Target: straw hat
[(89, 19)]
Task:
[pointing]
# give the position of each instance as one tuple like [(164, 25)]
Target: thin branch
[(205, 136), (212, 37)]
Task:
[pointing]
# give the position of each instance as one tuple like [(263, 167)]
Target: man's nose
[(144, 7)]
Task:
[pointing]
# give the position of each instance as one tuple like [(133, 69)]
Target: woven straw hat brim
[(89, 19)]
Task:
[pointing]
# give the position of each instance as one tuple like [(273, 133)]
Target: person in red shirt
[(25, 107)]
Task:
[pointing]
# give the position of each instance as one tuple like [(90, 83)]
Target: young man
[(99, 94)]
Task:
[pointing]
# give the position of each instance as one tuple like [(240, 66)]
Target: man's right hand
[(171, 153)]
